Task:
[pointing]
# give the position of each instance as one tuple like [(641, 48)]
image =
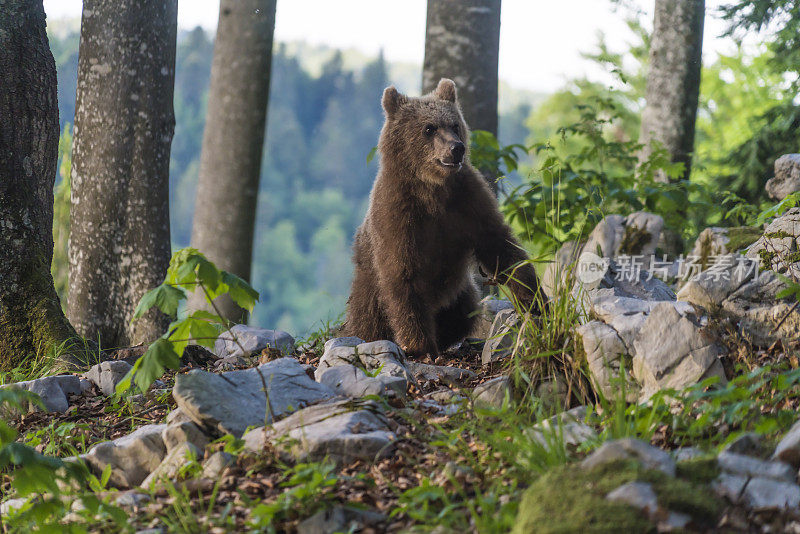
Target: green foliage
[(188, 270), (61, 225), (779, 209)]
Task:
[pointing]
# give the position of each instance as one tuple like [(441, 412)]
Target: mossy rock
[(740, 237), (571, 499)]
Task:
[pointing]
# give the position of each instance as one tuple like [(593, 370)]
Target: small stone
[(769, 494), (739, 464), (630, 448), (132, 499), (729, 486), (788, 450), (216, 464), (685, 454), (177, 434), (342, 431), (11, 505), (350, 381), (131, 457), (488, 308), (382, 357), (640, 495), (244, 341), (749, 444), (445, 374), (569, 427), (177, 416), (502, 336), (106, 375), (52, 390), (493, 392), (174, 461), (787, 177)]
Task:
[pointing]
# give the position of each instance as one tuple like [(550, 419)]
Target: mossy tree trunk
[(233, 141), (673, 80), (462, 42), (124, 122), (31, 319)]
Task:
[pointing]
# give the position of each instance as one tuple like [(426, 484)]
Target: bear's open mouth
[(450, 165)]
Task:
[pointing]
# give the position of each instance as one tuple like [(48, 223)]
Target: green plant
[(60, 439), (188, 270)]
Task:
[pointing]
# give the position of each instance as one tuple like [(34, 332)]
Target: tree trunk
[(462, 42), (233, 141), (120, 245), (673, 81), (31, 320)]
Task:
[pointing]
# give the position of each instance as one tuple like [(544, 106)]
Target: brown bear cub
[(431, 216)]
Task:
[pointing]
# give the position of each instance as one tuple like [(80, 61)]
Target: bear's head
[(426, 136)]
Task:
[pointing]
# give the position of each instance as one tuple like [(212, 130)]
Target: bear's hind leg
[(456, 321)]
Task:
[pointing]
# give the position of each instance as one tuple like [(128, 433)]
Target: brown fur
[(426, 225)]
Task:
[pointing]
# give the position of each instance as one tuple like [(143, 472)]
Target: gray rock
[(671, 351), (492, 392), (640, 495), (252, 340), (488, 308), (502, 336), (684, 454), (559, 274), (383, 357), (445, 396), (339, 519), (350, 381), (11, 505), (453, 376), (758, 310), (230, 402), (131, 499), (215, 465), (177, 416), (52, 390), (106, 375), (132, 458), (568, 427), (787, 177), (177, 434), (622, 280), (630, 448), (740, 464), (342, 431), (172, 463), (606, 353), (788, 450), (730, 486), (770, 494), (711, 287), (712, 241), (780, 242)]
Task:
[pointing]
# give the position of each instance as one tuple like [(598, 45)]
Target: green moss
[(634, 240), (740, 237), (569, 499), (767, 258), (699, 470)]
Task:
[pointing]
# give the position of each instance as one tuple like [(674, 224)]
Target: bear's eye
[(430, 129), (456, 129)]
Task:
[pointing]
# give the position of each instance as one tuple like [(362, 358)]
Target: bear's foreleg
[(456, 321)]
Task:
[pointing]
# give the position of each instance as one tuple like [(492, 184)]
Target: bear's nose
[(457, 149)]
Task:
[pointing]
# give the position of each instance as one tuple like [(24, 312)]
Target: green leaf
[(192, 328), (371, 154), (165, 297), (150, 366), (240, 291)]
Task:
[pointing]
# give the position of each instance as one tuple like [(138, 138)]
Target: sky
[(540, 40)]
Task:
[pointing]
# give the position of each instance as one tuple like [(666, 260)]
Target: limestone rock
[(383, 357), (106, 375), (172, 463), (232, 401), (502, 336), (778, 247), (488, 308), (606, 353), (671, 351), (215, 465), (454, 376), (740, 464), (350, 381), (787, 177), (132, 458), (252, 340), (177, 434), (769, 494), (343, 431), (630, 448), (788, 450), (711, 287), (640, 495), (560, 272), (52, 390), (568, 427), (492, 392)]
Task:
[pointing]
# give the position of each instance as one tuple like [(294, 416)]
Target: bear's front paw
[(420, 351)]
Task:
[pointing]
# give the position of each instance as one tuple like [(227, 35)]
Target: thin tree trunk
[(462, 42), (120, 246), (31, 320), (233, 141), (673, 81)]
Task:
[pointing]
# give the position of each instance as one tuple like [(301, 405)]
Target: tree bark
[(462, 42), (31, 320), (673, 80), (124, 122), (233, 141)]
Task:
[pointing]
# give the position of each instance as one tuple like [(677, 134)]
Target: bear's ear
[(392, 100), (446, 90)]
